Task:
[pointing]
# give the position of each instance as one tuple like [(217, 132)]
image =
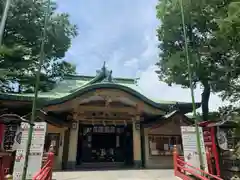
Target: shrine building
[(102, 121)]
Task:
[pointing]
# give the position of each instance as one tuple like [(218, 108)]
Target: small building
[(102, 121)]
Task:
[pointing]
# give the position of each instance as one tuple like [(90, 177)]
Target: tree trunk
[(205, 100)]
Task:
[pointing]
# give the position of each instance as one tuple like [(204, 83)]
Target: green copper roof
[(73, 85)]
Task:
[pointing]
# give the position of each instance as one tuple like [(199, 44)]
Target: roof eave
[(183, 107)]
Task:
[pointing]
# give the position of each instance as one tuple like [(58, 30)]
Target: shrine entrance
[(107, 144)]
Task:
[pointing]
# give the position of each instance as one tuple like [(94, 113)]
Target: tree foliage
[(211, 55), (19, 53), (229, 33)]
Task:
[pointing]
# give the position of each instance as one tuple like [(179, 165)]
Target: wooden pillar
[(175, 163), (137, 156), (65, 148), (146, 146), (73, 143)]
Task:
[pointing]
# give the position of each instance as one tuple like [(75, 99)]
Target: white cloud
[(151, 50), (123, 33), (110, 28), (150, 84), (148, 55), (131, 63)]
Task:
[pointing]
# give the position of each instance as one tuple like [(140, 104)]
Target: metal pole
[(191, 88), (34, 105), (3, 20)]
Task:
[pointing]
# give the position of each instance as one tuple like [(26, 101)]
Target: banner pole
[(34, 105), (4, 19), (191, 88)]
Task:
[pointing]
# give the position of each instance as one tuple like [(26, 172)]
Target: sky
[(122, 33)]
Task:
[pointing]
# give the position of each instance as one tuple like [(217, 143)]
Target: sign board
[(189, 140), (36, 151)]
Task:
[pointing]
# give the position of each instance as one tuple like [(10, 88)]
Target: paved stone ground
[(158, 174)]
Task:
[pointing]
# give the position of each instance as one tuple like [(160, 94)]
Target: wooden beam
[(101, 115), (140, 107), (59, 107), (102, 118), (15, 104), (106, 122), (128, 110)]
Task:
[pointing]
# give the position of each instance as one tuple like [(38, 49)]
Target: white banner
[(36, 150), (189, 140)]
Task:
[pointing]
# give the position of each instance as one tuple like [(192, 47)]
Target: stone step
[(101, 165)]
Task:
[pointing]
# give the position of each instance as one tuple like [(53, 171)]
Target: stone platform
[(158, 174)]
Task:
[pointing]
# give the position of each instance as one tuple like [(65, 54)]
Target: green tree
[(207, 52), (229, 32), (19, 54)]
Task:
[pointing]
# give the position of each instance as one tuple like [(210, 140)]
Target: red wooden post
[(209, 162), (51, 159), (215, 151), (175, 156), (1, 168)]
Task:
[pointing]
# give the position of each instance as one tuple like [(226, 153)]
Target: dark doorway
[(128, 143), (105, 144), (102, 140), (80, 145)]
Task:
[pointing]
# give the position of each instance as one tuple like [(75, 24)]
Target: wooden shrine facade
[(102, 121), (112, 130)]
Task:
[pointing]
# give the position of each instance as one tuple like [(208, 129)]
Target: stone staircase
[(100, 165)]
